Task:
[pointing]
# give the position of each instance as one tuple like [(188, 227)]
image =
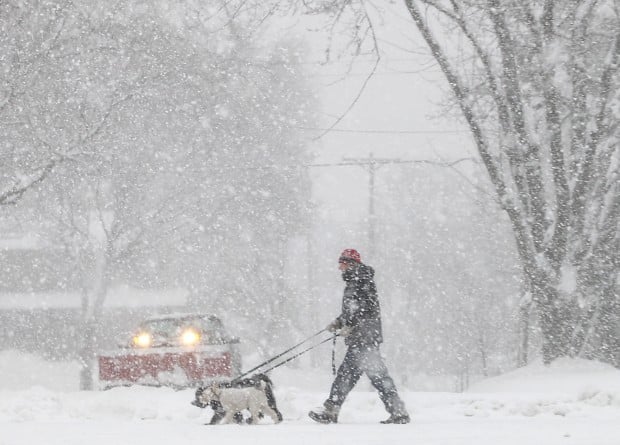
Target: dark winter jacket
[(360, 307)]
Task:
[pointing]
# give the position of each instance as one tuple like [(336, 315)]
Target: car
[(176, 350)]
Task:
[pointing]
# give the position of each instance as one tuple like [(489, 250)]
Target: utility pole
[(371, 164)]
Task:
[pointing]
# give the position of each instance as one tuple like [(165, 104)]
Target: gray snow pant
[(365, 360)]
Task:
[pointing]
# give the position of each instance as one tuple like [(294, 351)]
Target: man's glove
[(334, 325), (345, 331)]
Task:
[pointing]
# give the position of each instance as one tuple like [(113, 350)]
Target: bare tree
[(539, 100), (172, 162), (32, 34)]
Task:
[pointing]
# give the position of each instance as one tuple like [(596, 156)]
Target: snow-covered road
[(574, 402), (440, 431), (160, 416)]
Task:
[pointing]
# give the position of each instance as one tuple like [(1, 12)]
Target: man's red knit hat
[(350, 255)]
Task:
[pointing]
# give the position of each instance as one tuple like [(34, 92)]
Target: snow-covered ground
[(570, 402)]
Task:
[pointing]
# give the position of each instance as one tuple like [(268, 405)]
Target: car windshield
[(210, 328)]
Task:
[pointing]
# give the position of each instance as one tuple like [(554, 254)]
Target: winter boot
[(328, 414), (397, 418)]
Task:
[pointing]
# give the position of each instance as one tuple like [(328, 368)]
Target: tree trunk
[(91, 312), (603, 343), (483, 355), (524, 334), (557, 326), (87, 356)]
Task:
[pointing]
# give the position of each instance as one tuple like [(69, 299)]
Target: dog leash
[(281, 354), (334, 356), (300, 353)]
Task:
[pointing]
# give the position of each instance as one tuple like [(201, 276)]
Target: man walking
[(360, 324)]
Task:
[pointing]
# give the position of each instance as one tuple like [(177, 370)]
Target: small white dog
[(234, 400)]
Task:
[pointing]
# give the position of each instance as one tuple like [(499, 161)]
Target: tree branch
[(525, 247)]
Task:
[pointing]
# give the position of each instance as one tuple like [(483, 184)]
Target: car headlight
[(190, 337), (143, 340)]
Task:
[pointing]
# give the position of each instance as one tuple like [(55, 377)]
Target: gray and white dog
[(252, 381), (235, 400)]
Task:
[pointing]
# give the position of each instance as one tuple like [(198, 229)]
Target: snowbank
[(19, 371), (563, 376), (567, 387)]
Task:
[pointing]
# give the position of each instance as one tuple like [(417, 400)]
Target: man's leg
[(374, 367), (347, 376)]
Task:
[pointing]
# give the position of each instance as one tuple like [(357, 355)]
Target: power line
[(347, 130), (380, 161), (381, 73), (348, 162)]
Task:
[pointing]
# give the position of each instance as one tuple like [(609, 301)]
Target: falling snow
[(216, 157)]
